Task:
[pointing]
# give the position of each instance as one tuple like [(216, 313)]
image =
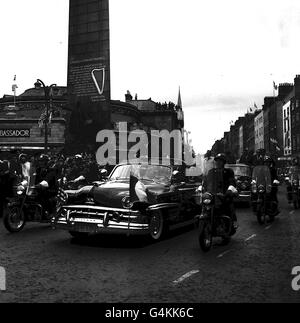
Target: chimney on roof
[(128, 97), (285, 89), (297, 85), (268, 101)]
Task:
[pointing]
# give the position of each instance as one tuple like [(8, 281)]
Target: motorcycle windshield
[(262, 176), (295, 173), (214, 182)]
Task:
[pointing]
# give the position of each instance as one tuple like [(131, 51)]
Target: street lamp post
[(47, 91)]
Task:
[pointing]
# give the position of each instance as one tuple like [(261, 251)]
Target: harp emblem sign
[(98, 76)]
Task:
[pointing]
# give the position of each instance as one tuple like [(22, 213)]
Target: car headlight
[(126, 202)]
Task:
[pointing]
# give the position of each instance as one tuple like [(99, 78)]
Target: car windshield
[(153, 173), (240, 170)]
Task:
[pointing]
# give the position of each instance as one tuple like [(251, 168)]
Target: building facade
[(19, 124), (295, 118), (287, 129), (259, 131)]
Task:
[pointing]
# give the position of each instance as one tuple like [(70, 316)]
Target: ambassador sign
[(15, 133)]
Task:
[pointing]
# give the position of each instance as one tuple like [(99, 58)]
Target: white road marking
[(185, 276), (248, 239), (224, 253)]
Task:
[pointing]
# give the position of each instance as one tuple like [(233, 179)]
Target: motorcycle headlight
[(20, 189), (261, 189), (207, 198), (295, 182)]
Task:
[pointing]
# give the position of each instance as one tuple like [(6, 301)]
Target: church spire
[(179, 103)]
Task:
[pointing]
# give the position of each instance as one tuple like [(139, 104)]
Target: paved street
[(48, 266)]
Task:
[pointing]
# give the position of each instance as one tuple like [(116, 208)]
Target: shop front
[(26, 135)]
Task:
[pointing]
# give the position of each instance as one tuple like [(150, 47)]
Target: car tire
[(157, 226)]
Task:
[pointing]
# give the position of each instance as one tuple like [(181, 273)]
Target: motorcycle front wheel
[(14, 219), (205, 236), (296, 204)]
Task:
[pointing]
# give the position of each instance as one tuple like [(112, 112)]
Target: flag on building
[(275, 86), (14, 86), (42, 119)]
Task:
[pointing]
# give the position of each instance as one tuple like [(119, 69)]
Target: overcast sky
[(224, 54)]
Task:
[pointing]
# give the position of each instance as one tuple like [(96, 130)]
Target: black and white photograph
[(150, 154)]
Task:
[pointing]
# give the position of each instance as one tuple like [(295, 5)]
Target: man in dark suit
[(225, 184)]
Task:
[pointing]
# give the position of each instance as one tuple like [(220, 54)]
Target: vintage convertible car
[(118, 206), (242, 175)]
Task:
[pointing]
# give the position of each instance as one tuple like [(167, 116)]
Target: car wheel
[(157, 226)]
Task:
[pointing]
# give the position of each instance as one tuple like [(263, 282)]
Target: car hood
[(111, 194)]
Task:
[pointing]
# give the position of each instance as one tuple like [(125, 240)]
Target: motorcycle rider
[(24, 169), (46, 182), (228, 186), (78, 172), (274, 179)]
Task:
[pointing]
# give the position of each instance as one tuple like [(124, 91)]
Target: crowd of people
[(46, 171)]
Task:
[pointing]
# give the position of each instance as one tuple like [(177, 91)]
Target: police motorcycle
[(214, 220), (293, 186), (263, 205), (25, 206)]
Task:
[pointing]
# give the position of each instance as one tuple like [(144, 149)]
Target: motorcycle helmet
[(222, 157)]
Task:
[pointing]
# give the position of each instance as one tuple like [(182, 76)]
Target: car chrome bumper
[(102, 221)]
